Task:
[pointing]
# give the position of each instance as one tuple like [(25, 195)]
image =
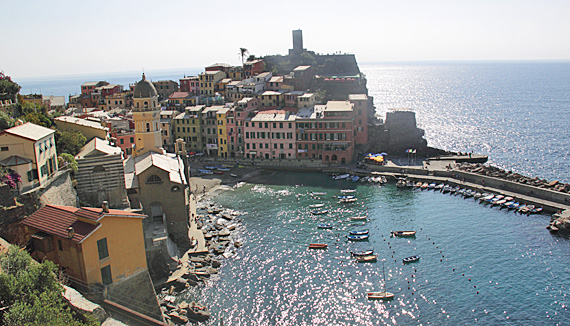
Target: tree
[(7, 86), (307, 59), (243, 52), (5, 121), (69, 142), (30, 293), (70, 160)]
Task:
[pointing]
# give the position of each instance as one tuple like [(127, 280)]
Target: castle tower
[(146, 114), (297, 43)]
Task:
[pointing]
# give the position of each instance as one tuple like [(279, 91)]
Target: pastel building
[(360, 105), (208, 80), (29, 150), (190, 84), (90, 129), (270, 134), (221, 119)]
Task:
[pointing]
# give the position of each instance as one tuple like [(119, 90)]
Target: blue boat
[(360, 237), (355, 178), (362, 253), (208, 167), (319, 211), (324, 226), (346, 197), (205, 172), (358, 232)]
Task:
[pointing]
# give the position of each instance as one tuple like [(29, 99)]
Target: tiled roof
[(81, 122), (15, 160), (30, 131), (55, 220), (97, 145)]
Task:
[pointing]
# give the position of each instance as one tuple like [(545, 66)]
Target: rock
[(237, 244), (183, 305), (216, 264), (83, 306), (175, 317)]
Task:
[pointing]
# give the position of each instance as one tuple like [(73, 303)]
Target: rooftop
[(81, 122), (339, 106), (29, 131), (97, 146), (176, 95), (301, 68), (357, 97)]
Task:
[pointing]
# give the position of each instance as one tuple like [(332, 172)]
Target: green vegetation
[(5, 121), (69, 142), (70, 160), (243, 52), (7, 86), (30, 293)]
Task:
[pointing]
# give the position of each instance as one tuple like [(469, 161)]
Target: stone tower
[(146, 114), (297, 43)]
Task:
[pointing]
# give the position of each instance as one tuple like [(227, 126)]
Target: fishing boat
[(342, 176), (318, 245), (347, 191), (359, 237), (358, 218), (366, 259), (411, 259), (383, 295), (358, 232), (324, 226), (362, 253), (319, 211), (403, 233), (319, 205)]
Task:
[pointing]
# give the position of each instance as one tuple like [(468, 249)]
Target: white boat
[(347, 191), (347, 200), (401, 183), (383, 295), (319, 205), (342, 176)]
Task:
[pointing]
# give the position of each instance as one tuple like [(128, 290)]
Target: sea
[(478, 264)]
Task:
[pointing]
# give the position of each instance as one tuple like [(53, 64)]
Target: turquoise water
[(478, 264)]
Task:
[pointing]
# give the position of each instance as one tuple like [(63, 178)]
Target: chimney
[(105, 207), (70, 232)]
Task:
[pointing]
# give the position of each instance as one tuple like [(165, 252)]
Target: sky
[(59, 38)]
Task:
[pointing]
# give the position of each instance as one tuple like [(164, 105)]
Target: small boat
[(355, 178), (347, 200), (360, 237), (359, 218), (401, 183), (424, 186), (319, 205), (507, 204), (366, 259), (362, 253), (411, 259), (318, 193), (487, 198), (446, 189), (468, 193), (223, 169), (477, 195), (319, 211), (527, 209), (205, 172), (418, 184), (342, 176), (233, 175), (454, 190), (439, 186), (383, 295), (218, 172), (536, 210), (461, 191), (364, 179), (318, 245), (514, 205), (324, 226), (508, 198), (346, 197), (431, 186), (403, 233), (358, 232), (347, 191), (210, 167), (499, 202)]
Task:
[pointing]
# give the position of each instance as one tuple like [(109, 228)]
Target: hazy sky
[(47, 38)]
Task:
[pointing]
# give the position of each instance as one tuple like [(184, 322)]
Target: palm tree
[(242, 53)]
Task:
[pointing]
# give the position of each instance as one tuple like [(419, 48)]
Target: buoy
[(477, 292), (469, 280)]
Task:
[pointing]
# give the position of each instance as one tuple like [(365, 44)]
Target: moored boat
[(366, 259), (319, 205), (347, 200), (318, 245), (359, 218), (358, 232), (318, 193), (382, 295), (342, 176), (411, 259), (362, 253), (403, 233), (359, 237), (319, 211), (347, 191), (324, 226), (355, 178)]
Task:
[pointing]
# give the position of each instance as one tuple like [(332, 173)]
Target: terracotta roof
[(55, 220)]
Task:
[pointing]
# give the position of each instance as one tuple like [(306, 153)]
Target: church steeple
[(146, 114)]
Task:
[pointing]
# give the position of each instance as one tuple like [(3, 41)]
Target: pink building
[(270, 134), (325, 132), (190, 84), (360, 104)]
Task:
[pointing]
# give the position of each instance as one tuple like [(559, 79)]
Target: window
[(153, 179), (132, 140), (4, 149), (122, 141), (102, 248), (106, 277), (59, 245)]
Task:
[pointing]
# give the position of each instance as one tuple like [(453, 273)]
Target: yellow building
[(88, 128), (146, 114), (208, 80), (271, 99), (29, 150), (221, 117), (91, 245)]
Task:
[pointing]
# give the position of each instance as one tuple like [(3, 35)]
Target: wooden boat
[(319, 211), (401, 183), (360, 237), (318, 246), (431, 186), (359, 218), (411, 259), (218, 172), (418, 184), (536, 210), (499, 202), (526, 209), (446, 189), (324, 226), (514, 205), (477, 195), (439, 186), (487, 198), (362, 253), (210, 167), (383, 295), (319, 205), (403, 233), (366, 259), (347, 191), (205, 171), (358, 232), (223, 169)]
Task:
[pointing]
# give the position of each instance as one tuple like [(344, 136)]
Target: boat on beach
[(403, 234), (318, 245)]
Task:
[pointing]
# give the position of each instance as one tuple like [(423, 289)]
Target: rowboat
[(233, 175), (318, 193), (403, 233), (383, 295), (347, 200), (319, 205), (362, 253), (366, 259), (424, 186), (346, 197), (439, 186), (347, 191), (210, 167), (358, 218), (358, 232), (401, 183), (319, 211), (355, 178), (536, 210), (324, 226), (342, 176), (317, 245), (205, 171), (360, 237), (218, 172), (431, 186), (486, 198), (411, 259), (223, 169)]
